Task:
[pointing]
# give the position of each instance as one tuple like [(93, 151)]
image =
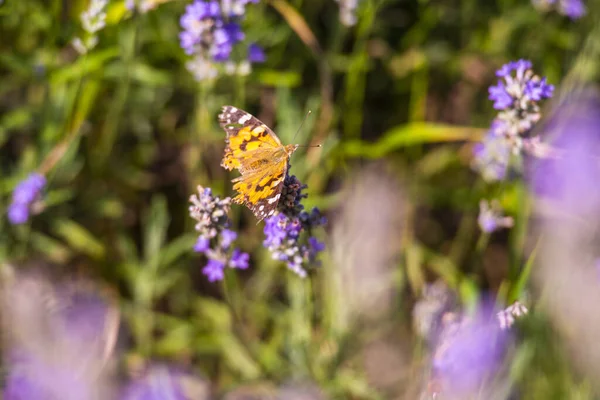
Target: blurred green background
[(124, 134)]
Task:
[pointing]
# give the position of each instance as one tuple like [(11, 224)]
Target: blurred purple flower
[(348, 11), (469, 352), (500, 96), (491, 157), (284, 230), (436, 300), (573, 9), (256, 54), (26, 193), (518, 87), (33, 379), (239, 259), (158, 383), (198, 23), (93, 20), (227, 237), (315, 245), (210, 30), (202, 245), (215, 237), (490, 217), (142, 6), (506, 317), (570, 177), (214, 270), (59, 342), (225, 37), (516, 96), (236, 8)]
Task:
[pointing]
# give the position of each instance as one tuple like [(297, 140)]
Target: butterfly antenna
[(301, 123)]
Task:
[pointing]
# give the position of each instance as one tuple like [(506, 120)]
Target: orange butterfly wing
[(254, 150)]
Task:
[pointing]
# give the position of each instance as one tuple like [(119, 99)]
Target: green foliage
[(124, 134)]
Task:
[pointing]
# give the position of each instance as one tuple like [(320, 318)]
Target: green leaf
[(143, 74), (414, 266), (177, 340), (79, 238), (237, 358), (59, 196), (156, 221), (13, 120), (519, 287), (279, 78), (85, 101), (84, 65), (410, 135), (177, 248), (215, 313), (51, 248)]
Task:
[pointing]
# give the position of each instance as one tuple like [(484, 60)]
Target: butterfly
[(258, 154)]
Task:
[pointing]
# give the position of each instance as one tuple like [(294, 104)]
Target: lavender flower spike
[(210, 32), (492, 156), (469, 353), (93, 20), (59, 340), (490, 217), (516, 95), (519, 86), (288, 232), (215, 238), (26, 193), (507, 317)]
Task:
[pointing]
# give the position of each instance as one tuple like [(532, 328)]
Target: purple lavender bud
[(256, 54), (239, 259), (315, 245), (188, 42), (519, 66), (519, 86), (25, 194), (235, 8), (491, 157), (516, 95), (284, 231), (490, 217), (28, 190), (224, 40), (500, 96), (214, 270), (202, 245), (573, 9), (18, 213), (211, 213), (274, 233), (210, 30), (227, 237), (539, 90)]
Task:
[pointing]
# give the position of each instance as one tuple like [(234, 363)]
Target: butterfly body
[(258, 154)]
